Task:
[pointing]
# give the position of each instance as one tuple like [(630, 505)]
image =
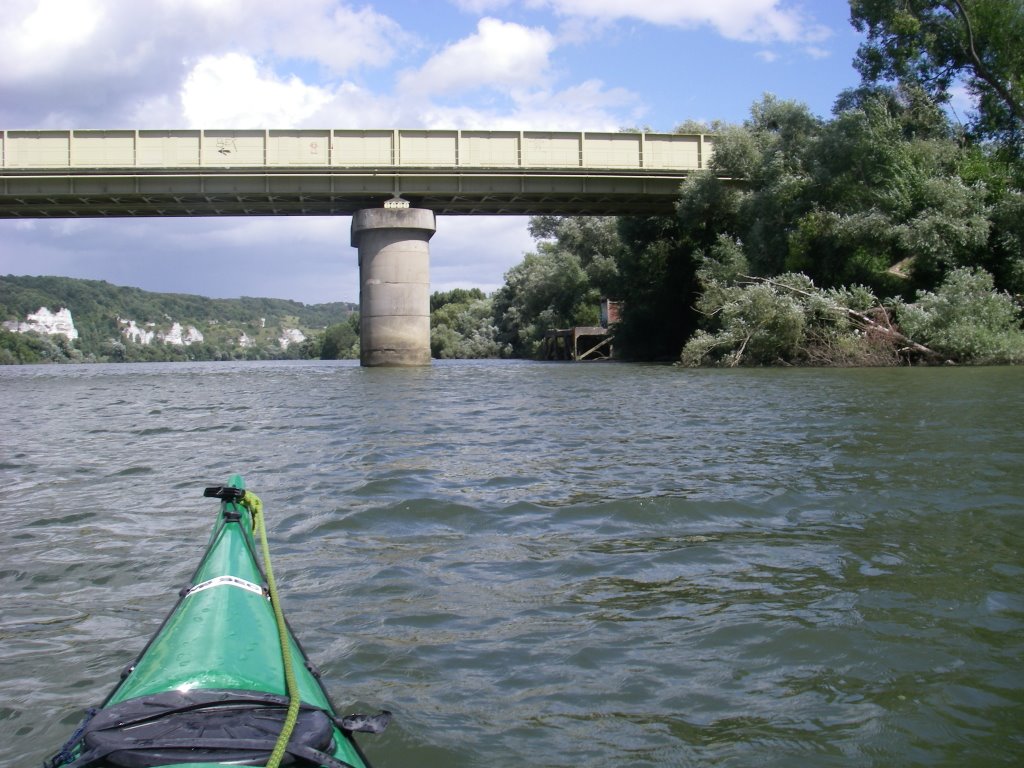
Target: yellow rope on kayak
[(252, 502)]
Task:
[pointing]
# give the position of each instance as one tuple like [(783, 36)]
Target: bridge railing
[(156, 150)]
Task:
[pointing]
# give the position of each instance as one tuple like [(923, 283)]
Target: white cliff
[(181, 337), (177, 335), (193, 336), (48, 323), (132, 332), (290, 336)]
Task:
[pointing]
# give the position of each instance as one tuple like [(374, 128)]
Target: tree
[(938, 43), (593, 240), (465, 329), (341, 340), (561, 285), (658, 285), (17, 348), (888, 188), (439, 299), (549, 289), (769, 155)]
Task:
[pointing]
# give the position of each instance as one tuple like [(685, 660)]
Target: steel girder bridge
[(127, 173)]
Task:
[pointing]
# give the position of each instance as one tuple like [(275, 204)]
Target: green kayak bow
[(223, 681)]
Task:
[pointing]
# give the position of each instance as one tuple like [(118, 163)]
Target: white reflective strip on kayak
[(227, 581)]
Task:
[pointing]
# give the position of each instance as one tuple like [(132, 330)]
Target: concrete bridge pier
[(394, 285)]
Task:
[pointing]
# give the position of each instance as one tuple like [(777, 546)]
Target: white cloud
[(44, 36), (230, 91), (499, 55), (476, 251), (353, 106), (335, 36), (744, 20), (509, 67), (72, 227), (330, 233), (587, 106), (40, 37), (158, 111), (99, 63), (481, 7)]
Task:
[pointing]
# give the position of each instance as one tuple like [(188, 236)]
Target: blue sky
[(529, 64)]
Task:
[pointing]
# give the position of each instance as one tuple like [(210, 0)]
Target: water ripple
[(576, 565)]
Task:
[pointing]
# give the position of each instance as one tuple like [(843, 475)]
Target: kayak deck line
[(227, 581), (223, 681)]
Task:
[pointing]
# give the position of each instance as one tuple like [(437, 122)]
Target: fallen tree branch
[(864, 321)]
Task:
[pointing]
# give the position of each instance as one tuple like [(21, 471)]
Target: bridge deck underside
[(112, 193)]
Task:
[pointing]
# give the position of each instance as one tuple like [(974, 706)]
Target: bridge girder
[(108, 193), (310, 172)]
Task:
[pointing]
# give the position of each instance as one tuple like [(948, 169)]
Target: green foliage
[(97, 308), (967, 319), (758, 325), (789, 320), (439, 299), (658, 286), (338, 342), (465, 329), (934, 44), (885, 195), (699, 126), (593, 240), (24, 348), (561, 285), (774, 163), (769, 154), (839, 248), (908, 105), (881, 195), (658, 265), (785, 320), (949, 227)]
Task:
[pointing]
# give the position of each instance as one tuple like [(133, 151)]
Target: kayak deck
[(210, 688)]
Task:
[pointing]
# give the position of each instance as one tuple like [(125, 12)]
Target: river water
[(546, 564)]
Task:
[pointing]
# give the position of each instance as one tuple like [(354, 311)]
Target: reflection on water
[(556, 564)]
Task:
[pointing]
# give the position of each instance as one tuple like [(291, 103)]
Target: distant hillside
[(113, 322)]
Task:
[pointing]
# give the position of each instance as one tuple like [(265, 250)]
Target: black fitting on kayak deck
[(224, 492), (229, 495)]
